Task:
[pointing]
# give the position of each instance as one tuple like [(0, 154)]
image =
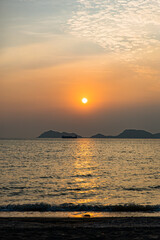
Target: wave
[(141, 189), (69, 207), (137, 189)]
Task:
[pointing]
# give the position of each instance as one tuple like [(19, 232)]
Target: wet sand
[(126, 228)]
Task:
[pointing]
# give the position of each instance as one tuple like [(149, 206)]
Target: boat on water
[(65, 136)]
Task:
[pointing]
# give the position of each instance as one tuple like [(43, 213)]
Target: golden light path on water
[(81, 173)]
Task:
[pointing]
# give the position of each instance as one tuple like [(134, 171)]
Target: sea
[(79, 177)]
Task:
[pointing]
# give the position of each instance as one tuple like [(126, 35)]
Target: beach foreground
[(125, 228)]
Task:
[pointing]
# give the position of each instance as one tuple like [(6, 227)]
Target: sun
[(84, 100)]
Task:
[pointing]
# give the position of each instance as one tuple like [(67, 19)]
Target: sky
[(55, 52)]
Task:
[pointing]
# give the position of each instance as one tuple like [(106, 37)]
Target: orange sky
[(45, 71)]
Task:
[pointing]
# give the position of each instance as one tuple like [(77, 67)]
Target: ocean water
[(73, 176)]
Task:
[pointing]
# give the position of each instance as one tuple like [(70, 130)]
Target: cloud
[(118, 26), (58, 50)]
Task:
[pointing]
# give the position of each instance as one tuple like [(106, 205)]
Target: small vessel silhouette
[(65, 136)]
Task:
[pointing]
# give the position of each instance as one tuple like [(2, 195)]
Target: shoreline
[(80, 214), (125, 228)]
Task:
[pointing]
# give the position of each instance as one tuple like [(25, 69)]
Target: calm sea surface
[(80, 175)]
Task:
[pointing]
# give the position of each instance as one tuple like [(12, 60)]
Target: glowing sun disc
[(84, 100)]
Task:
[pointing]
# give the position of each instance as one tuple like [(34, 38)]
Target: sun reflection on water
[(85, 172), (81, 172)]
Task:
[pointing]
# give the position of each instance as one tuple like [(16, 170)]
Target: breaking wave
[(69, 207)]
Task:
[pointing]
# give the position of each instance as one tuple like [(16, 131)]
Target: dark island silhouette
[(99, 135), (55, 134), (128, 133)]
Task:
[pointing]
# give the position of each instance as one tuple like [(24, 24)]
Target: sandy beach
[(125, 228)]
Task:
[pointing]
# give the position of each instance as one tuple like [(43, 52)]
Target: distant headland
[(55, 134), (128, 133)]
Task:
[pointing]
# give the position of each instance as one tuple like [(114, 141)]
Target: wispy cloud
[(118, 26)]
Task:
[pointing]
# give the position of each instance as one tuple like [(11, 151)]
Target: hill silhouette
[(55, 134), (130, 133), (99, 135)]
